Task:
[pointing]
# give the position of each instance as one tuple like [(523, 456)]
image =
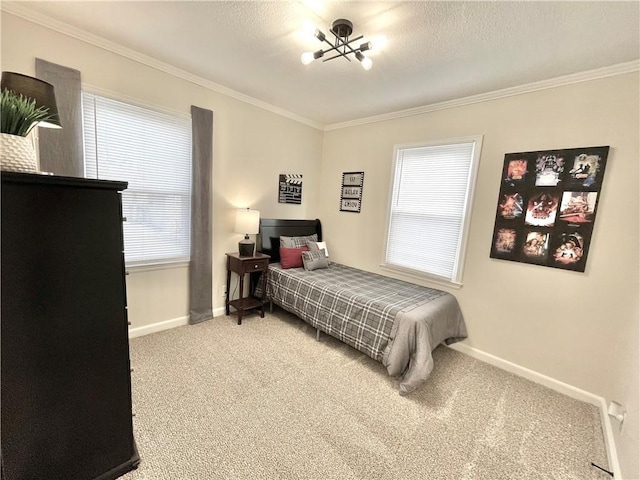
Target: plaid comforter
[(360, 308)]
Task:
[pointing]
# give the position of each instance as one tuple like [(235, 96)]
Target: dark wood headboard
[(268, 240)]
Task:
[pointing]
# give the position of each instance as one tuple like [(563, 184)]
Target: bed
[(394, 322)]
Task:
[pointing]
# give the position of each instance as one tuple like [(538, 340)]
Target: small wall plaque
[(351, 193), (290, 189)]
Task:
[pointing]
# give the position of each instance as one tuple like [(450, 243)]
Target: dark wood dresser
[(66, 384)]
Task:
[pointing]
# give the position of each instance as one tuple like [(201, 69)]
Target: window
[(151, 151), (430, 207)]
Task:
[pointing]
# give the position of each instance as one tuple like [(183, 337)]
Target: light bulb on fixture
[(375, 44), (309, 28), (366, 62), (307, 57), (378, 43)]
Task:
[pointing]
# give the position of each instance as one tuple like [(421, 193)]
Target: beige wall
[(251, 147), (578, 328)]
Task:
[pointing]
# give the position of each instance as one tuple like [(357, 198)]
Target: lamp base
[(246, 246)]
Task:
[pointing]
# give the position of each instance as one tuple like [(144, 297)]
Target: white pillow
[(319, 246)]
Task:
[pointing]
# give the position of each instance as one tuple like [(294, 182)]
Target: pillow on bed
[(292, 257), (297, 242), (318, 246), (315, 259)]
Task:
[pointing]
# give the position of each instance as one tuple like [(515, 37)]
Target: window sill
[(149, 267), (418, 275)]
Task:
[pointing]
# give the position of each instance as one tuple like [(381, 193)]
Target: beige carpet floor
[(265, 400)]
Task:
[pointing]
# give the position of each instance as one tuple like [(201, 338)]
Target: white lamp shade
[(247, 221)]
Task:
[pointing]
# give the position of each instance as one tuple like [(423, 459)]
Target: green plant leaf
[(19, 114)]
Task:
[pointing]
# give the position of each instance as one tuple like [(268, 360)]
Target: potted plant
[(24, 103)]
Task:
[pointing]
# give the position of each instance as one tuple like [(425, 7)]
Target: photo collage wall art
[(547, 206)]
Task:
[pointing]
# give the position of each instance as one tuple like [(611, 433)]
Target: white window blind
[(430, 206), (152, 151)]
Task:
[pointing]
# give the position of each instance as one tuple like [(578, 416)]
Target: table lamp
[(247, 222)]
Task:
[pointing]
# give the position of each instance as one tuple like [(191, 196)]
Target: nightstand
[(243, 265)]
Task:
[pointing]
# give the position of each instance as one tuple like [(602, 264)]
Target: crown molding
[(618, 69), (26, 13)]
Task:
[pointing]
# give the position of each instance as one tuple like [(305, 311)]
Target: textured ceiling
[(436, 51)]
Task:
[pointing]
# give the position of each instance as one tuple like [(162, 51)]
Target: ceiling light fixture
[(342, 45)]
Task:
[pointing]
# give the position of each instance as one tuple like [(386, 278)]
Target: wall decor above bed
[(547, 206), (351, 192), (290, 189)]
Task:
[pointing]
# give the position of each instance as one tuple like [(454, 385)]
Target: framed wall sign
[(547, 206), (351, 192), (290, 189)]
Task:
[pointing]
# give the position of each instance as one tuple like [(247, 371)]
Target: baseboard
[(558, 386), (166, 324), (609, 441), (158, 327)]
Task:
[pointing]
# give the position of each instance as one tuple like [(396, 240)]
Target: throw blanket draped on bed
[(394, 322)]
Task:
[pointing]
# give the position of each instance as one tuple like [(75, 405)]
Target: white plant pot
[(17, 153)]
